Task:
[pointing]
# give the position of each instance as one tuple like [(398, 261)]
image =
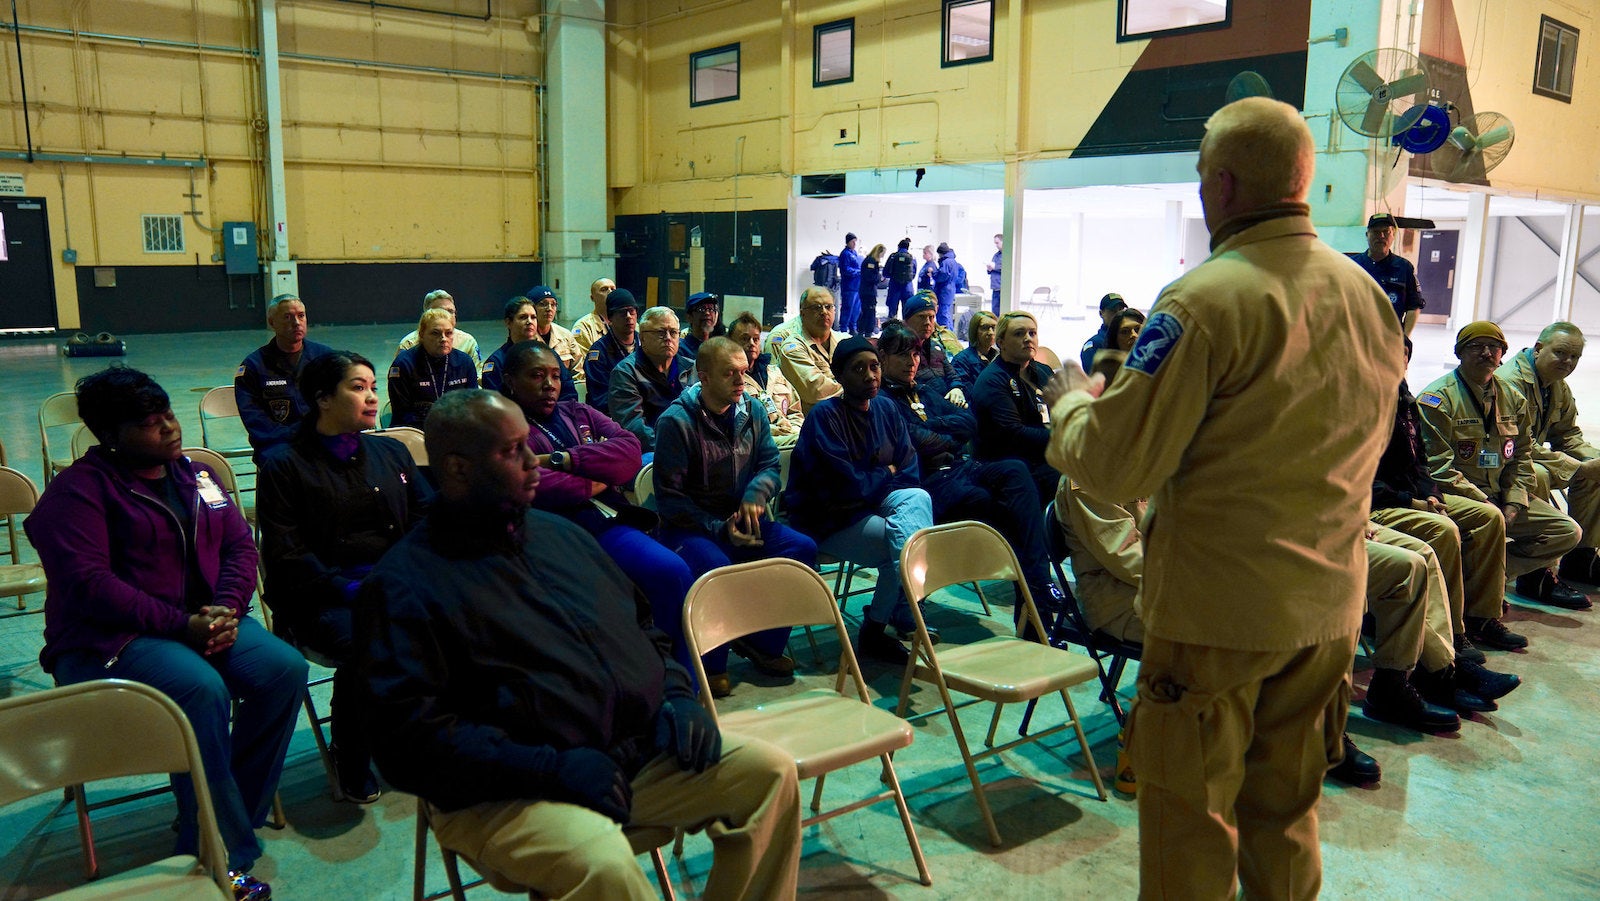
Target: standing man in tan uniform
[(1562, 458), (803, 347), (1255, 562), (588, 329), (1479, 437)]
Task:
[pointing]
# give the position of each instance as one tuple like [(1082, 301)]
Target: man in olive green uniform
[(1561, 456), (1255, 558), (803, 348), (1479, 438)]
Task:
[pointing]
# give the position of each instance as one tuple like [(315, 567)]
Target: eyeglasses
[(819, 308), (1484, 347), (666, 334)]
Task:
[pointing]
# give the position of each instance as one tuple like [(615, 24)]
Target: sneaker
[(1484, 682), (1357, 767), (1492, 633), (1466, 650), (875, 643), (248, 888), (721, 685), (356, 781), (1391, 698), (1543, 587), (772, 665)]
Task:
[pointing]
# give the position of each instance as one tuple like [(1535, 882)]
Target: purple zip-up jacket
[(116, 558), (606, 453)]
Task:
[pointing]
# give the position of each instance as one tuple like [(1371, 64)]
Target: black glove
[(684, 728), (590, 779)]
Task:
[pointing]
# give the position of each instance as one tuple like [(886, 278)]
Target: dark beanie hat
[(848, 348), (920, 302), (620, 299)]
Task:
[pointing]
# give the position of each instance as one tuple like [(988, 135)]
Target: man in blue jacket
[(901, 270), (849, 283), (854, 484), (622, 317), (266, 384), (949, 278)]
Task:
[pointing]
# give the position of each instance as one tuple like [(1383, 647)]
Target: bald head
[(1256, 151), (715, 352)]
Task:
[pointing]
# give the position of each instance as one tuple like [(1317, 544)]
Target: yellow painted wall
[(1557, 149), (379, 164)]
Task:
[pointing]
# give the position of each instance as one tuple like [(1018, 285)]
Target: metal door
[(27, 278), (1436, 269)]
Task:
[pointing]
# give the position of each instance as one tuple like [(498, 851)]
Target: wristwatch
[(559, 459)]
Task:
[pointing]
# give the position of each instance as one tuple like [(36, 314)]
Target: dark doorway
[(27, 278), (1436, 269)]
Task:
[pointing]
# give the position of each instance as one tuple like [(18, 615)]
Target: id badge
[(210, 491), (1488, 460)]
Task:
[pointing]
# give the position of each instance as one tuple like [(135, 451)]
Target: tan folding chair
[(216, 406), (824, 729), (82, 440), (318, 720), (644, 485), (56, 739), (205, 459), (411, 437), (57, 412), (1002, 669), (1048, 357), (641, 840), (17, 499)]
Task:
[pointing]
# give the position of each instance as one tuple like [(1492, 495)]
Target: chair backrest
[(940, 556), (82, 440), (220, 404), (644, 486), (1041, 291), (1048, 357), (103, 729), (57, 410), (18, 495), (411, 437), (205, 458), (722, 605)]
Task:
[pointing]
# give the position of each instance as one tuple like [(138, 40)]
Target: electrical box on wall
[(239, 248)]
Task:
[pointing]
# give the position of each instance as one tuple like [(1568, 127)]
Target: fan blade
[(1407, 85), (1365, 76), (1494, 136), (1372, 122), (1461, 138)]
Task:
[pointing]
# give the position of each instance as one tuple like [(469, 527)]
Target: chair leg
[(994, 723), (972, 771), (452, 872), (278, 820), (1083, 744), (662, 875), (324, 750), (91, 865), (816, 794), (987, 611), (893, 779), (419, 864)]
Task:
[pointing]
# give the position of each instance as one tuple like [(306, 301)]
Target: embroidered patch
[(1156, 340), (1465, 449), (489, 366), (1510, 450), (239, 373), (394, 372), (1430, 399), (593, 355)]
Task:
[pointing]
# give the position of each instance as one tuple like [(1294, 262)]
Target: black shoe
[(356, 781), (1440, 688), (1357, 767), (1543, 587), (1582, 565), (1391, 698), (876, 644), (772, 665), (1492, 633), (1466, 650), (1483, 682)]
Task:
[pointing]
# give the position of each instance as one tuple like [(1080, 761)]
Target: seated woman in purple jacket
[(585, 458), (151, 567)]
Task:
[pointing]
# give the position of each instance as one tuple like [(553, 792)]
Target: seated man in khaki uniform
[(1562, 458), (766, 384), (1479, 438), (803, 347)]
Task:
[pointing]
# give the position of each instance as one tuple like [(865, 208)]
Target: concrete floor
[(1495, 811)]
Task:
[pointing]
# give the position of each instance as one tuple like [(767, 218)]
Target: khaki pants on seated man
[(1469, 540), (748, 804)]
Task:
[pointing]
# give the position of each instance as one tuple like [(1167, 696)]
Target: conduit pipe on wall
[(22, 75)]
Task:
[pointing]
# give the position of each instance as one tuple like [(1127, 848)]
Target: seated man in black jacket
[(1000, 494), (515, 689)]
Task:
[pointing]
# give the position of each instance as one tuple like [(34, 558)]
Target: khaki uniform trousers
[(1231, 747), (749, 804), (1540, 537), (1583, 502), (1407, 596), (1107, 603), (1469, 541)]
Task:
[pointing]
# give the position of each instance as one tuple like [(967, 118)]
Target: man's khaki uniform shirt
[(806, 362), (1492, 463)]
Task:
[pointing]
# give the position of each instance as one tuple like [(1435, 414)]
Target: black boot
[(1543, 587), (1357, 768), (1466, 650), (1492, 633), (876, 644), (1581, 565), (1441, 688), (1392, 698), (1484, 682)]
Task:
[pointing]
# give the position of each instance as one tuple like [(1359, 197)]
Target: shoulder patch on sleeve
[(239, 373), (394, 372), (489, 366), (1430, 399), (593, 355), (1156, 340)]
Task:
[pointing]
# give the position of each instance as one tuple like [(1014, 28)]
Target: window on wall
[(1558, 54), (968, 31), (833, 53), (163, 234), (1139, 20), (714, 75)]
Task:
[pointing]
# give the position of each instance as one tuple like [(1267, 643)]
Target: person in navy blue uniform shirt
[(1013, 421), (704, 312), (901, 271), (849, 283), (265, 386), (622, 317), (994, 274), (522, 324), (948, 279), (1111, 305), (422, 374), (1393, 273)]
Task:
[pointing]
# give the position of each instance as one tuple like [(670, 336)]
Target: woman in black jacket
[(331, 502)]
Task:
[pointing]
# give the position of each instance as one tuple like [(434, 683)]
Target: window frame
[(945, 9), (1538, 59), (738, 73), (1124, 37), (165, 225), (817, 33)]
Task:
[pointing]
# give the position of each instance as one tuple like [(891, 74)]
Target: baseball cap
[(540, 292), (1381, 220), (1112, 301), (699, 298)]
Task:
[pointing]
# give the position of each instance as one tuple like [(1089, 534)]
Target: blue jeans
[(703, 553), (659, 573), (875, 542), (265, 674)]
